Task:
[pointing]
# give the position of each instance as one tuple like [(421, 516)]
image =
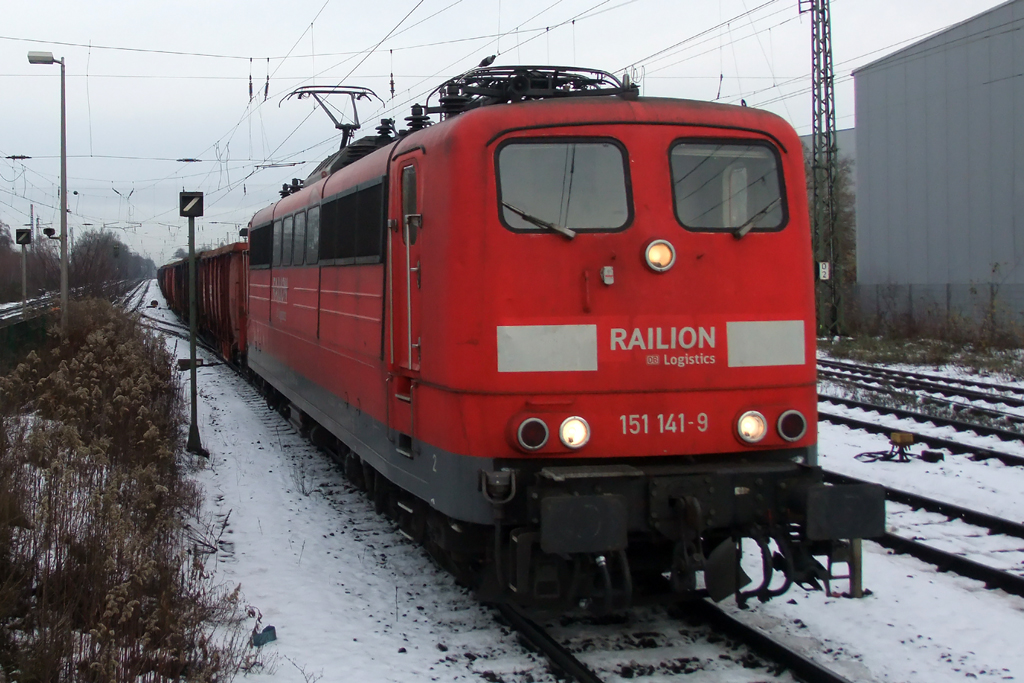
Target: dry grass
[(990, 344), (97, 581)]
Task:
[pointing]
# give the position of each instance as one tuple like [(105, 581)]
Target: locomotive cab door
[(404, 284)]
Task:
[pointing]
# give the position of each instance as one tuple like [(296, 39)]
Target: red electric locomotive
[(565, 336)]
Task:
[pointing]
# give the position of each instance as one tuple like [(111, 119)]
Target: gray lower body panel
[(446, 481)]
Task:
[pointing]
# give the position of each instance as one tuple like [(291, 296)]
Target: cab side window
[(286, 242), (351, 225), (277, 242), (299, 239), (313, 236)]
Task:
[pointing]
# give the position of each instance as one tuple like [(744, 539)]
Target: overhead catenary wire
[(592, 11), (274, 151), (391, 108)]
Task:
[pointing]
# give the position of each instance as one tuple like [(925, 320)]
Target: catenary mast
[(823, 168)]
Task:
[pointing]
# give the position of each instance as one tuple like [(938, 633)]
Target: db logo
[(653, 360)]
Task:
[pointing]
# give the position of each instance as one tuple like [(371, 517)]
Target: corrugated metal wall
[(940, 170)]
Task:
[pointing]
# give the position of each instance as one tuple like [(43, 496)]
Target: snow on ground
[(986, 485), (918, 625), (352, 600)]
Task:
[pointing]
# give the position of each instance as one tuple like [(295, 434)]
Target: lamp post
[(47, 58)]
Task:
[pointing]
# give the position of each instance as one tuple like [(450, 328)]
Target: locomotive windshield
[(563, 185), (727, 186)]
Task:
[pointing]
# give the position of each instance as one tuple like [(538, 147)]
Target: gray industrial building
[(940, 174)]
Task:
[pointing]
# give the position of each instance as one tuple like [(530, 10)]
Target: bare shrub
[(96, 578)]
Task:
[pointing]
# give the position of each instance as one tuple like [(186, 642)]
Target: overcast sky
[(152, 82)]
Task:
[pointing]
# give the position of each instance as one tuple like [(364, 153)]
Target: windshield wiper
[(540, 222), (742, 230)]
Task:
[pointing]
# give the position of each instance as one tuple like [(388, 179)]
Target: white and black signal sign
[(190, 204), (824, 270), (23, 236)]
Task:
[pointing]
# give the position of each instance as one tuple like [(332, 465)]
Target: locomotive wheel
[(380, 493), (354, 471)]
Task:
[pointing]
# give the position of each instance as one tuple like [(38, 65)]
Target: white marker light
[(574, 432), (660, 255), (751, 427)]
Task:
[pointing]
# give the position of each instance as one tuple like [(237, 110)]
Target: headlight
[(574, 432), (751, 427), (660, 255), (792, 426), (532, 433)]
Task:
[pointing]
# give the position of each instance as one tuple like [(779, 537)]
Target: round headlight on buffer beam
[(574, 432), (751, 427), (532, 434), (792, 426), (660, 255)]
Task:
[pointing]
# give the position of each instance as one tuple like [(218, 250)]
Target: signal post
[(191, 205), (23, 236)]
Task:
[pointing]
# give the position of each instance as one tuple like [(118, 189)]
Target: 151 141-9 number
[(671, 423)]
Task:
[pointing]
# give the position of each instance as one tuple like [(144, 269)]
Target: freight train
[(563, 335)]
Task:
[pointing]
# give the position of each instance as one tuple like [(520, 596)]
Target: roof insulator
[(386, 129), (418, 120)]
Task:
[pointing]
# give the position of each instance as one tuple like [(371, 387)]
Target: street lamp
[(47, 58)]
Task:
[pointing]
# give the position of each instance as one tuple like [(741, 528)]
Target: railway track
[(806, 669), (133, 299), (955, 447), (700, 613), (130, 299), (33, 308), (956, 408), (960, 425), (992, 577), (996, 387), (862, 376)]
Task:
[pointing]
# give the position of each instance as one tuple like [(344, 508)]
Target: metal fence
[(941, 305)]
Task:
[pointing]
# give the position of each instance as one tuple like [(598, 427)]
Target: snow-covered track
[(990, 576), (959, 425), (584, 651), (33, 308), (958, 407), (806, 669), (976, 452), (994, 394), (874, 370), (539, 639)]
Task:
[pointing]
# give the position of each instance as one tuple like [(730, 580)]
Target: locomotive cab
[(624, 328)]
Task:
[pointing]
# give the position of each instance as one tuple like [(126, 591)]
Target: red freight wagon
[(565, 336), (221, 307), (223, 287)]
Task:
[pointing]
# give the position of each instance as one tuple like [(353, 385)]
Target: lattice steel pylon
[(824, 168)]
